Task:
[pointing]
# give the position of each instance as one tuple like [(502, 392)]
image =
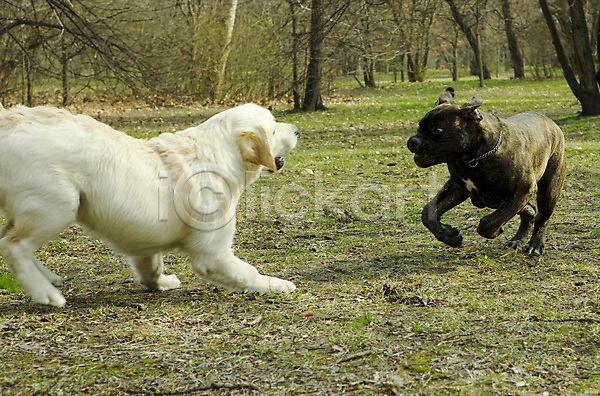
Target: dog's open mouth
[(421, 156), (424, 160), (279, 162)]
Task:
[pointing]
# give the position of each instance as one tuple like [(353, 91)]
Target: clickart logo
[(202, 198)]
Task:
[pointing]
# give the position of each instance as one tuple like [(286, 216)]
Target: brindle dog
[(499, 164)]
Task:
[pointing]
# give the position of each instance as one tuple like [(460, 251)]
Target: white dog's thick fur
[(143, 196)]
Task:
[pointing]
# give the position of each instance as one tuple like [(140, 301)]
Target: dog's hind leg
[(549, 188), (51, 276), (527, 215), (42, 221), (149, 271), (232, 273)]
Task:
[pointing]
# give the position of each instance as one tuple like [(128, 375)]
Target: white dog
[(177, 190)]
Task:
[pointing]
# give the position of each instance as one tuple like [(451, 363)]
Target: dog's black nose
[(414, 143), (296, 131)]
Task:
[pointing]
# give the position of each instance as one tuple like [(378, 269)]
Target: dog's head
[(259, 138), (447, 131)]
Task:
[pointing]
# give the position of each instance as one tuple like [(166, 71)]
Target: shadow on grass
[(579, 127), (132, 296), (387, 266)]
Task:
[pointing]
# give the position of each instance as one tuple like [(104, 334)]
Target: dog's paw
[(454, 241), (488, 231), (54, 279), (51, 276), (450, 236), (271, 284), (513, 244), (49, 297), (277, 285), (166, 282), (534, 250)]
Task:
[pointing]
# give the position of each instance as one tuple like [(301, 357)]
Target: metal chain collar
[(475, 161)]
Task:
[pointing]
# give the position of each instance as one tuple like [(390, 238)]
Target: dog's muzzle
[(422, 151), (415, 145)]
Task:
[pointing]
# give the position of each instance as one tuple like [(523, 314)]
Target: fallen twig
[(354, 356), (570, 319), (194, 389)]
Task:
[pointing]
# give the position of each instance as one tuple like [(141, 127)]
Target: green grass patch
[(9, 283)]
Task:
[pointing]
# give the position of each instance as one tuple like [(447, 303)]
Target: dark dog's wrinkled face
[(446, 131)]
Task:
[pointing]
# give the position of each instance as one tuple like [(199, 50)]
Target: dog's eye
[(438, 131)]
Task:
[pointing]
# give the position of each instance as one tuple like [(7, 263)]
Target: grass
[(381, 306), (8, 283)]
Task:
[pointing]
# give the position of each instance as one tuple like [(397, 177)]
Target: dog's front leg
[(232, 273), (490, 226), (451, 195)]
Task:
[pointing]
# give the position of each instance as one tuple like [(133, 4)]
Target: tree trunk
[(513, 44), (479, 56), (416, 68), (369, 72), (455, 57), (63, 60), (423, 65), (472, 38), (28, 79), (582, 46), (598, 46), (312, 93), (295, 48), (587, 91), (410, 68), (227, 49), (402, 68)]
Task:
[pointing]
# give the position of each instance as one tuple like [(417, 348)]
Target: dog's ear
[(254, 147), (446, 97), (470, 109)]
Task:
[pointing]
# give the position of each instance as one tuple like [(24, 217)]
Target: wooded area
[(230, 49)]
